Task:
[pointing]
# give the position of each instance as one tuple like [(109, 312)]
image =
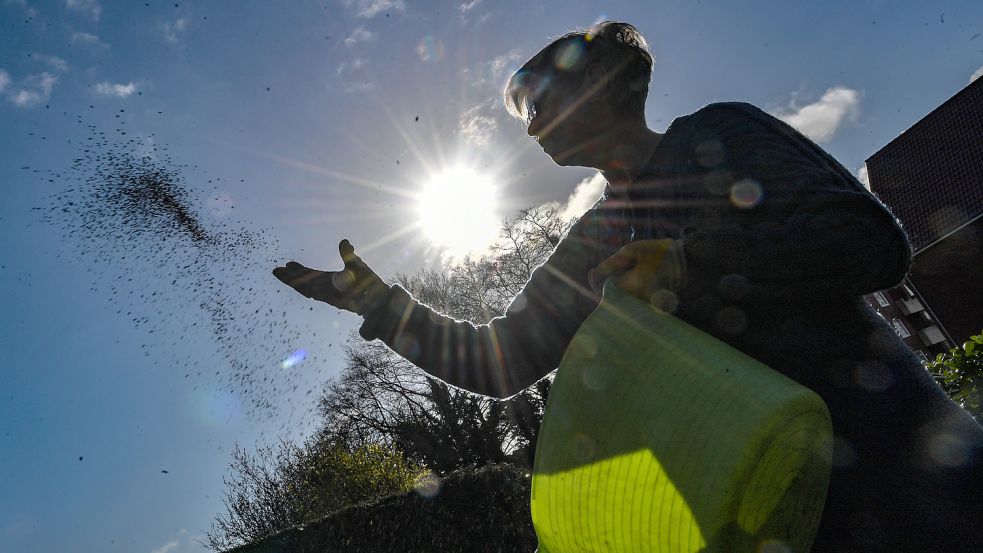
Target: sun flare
[(458, 211)]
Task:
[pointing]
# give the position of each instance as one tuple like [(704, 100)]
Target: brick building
[(931, 176)]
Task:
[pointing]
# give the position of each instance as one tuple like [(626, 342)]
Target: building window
[(881, 299), (931, 335), (910, 306), (900, 328)]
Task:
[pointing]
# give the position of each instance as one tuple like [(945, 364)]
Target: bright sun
[(458, 211)]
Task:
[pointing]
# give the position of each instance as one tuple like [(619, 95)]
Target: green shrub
[(960, 372)]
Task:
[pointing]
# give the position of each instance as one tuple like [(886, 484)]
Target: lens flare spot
[(343, 280), (664, 300), (732, 320), (407, 345), (844, 454), (583, 447), (746, 193), (427, 485), (430, 49), (294, 359), (873, 376), (595, 377), (570, 55), (774, 546), (949, 450)]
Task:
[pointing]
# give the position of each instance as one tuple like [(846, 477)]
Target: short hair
[(618, 46)]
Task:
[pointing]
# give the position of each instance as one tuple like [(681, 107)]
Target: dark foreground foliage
[(288, 486), (479, 510)]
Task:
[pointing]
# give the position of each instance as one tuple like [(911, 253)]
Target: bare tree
[(382, 398)]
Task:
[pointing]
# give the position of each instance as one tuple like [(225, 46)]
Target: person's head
[(581, 87)]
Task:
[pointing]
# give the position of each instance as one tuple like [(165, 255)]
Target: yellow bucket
[(658, 437)]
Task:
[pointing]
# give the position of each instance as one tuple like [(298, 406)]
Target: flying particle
[(181, 274)]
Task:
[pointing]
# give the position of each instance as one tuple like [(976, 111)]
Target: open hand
[(356, 288), (645, 269)]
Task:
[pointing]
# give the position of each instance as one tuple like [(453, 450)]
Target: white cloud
[(172, 544), (372, 8), (467, 12), (499, 65), (87, 38), (353, 65), (119, 90), (821, 119), (476, 127), (863, 177), (359, 34), (167, 547), (32, 91), (173, 30), (146, 146), (583, 197), (28, 9), (494, 72), (4, 79), (355, 88), (54, 61), (90, 7), (976, 74)]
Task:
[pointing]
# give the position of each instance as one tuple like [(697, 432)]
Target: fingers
[(636, 264), (283, 273), (620, 262), (347, 251), (291, 268), (295, 276)]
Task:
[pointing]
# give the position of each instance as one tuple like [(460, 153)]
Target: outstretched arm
[(511, 352), (498, 359)]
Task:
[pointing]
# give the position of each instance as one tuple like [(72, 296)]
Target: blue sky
[(304, 123)]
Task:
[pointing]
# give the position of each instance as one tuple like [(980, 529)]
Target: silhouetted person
[(747, 230)]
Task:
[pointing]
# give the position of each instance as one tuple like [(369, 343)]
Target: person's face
[(571, 118), (565, 119)]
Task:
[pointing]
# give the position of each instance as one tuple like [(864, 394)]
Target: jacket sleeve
[(511, 352), (782, 215)]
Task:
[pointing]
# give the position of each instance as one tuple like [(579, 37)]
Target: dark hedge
[(481, 510)]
